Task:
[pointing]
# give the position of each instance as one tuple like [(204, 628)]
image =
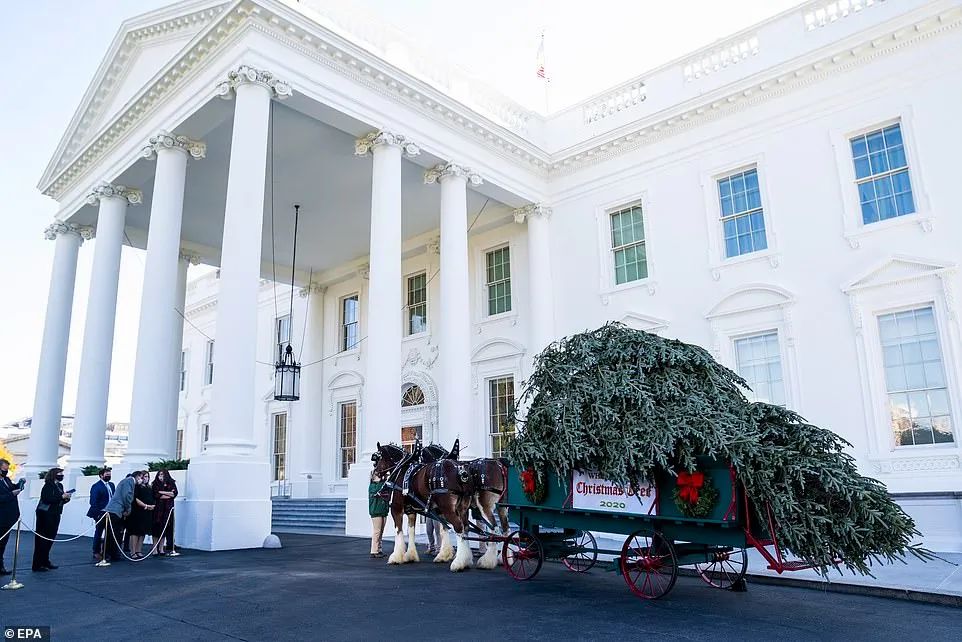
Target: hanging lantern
[(287, 377), (287, 372)]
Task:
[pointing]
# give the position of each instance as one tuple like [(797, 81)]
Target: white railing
[(625, 97), (716, 58), (821, 14)]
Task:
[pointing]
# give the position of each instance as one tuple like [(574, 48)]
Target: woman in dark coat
[(141, 516), (165, 490), (49, 510)]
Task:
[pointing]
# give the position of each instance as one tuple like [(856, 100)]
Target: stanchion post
[(108, 532), (13, 584), (173, 549)]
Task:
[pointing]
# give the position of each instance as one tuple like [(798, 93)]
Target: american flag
[(541, 72)]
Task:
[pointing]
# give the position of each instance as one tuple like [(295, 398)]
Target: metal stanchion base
[(102, 563), (12, 585), (173, 554)]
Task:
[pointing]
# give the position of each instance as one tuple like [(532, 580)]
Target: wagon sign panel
[(594, 493)]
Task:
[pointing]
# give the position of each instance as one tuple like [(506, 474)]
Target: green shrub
[(89, 471), (168, 464)]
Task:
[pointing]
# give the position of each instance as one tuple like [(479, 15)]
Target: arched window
[(413, 396)]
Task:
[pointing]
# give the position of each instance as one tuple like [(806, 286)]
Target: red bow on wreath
[(528, 483), (690, 483)]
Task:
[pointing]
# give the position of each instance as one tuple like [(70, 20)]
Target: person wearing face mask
[(165, 490), (117, 509), (141, 515), (9, 508), (100, 494), (49, 510)]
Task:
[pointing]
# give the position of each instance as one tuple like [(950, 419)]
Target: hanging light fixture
[(287, 372)]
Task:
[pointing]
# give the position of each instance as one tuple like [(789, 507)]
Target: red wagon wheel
[(648, 564), (586, 554), (724, 569), (522, 555)]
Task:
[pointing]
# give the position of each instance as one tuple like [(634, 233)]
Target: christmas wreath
[(533, 485), (695, 495)]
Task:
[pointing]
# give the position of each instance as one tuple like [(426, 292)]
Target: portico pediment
[(142, 47), (897, 269)]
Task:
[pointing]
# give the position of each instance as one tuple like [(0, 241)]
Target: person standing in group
[(9, 508), (100, 493), (141, 515), (378, 509), (165, 490), (433, 527), (117, 509), (49, 510)]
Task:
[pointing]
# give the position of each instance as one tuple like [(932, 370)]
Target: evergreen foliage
[(624, 403)]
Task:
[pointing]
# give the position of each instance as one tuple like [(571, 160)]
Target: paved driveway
[(326, 588)]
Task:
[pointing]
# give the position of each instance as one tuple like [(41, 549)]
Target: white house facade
[(783, 198)]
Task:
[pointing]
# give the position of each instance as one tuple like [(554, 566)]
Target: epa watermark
[(34, 633)]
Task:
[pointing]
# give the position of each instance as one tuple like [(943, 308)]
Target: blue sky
[(53, 48)]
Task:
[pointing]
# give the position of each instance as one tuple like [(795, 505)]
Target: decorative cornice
[(312, 288), (279, 89), (434, 246), (190, 256), (375, 139), (107, 190), (537, 210), (52, 231), (166, 140), (451, 170), (364, 271)]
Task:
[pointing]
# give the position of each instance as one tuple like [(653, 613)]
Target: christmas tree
[(625, 403)]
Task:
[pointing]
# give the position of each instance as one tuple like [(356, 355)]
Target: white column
[(382, 348), (185, 260), (150, 401), (237, 514), (90, 423), (455, 322), (48, 400), (304, 445), (540, 295)]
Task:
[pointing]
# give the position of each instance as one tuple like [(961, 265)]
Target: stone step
[(321, 515)]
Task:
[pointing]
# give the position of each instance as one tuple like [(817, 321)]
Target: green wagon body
[(559, 530)]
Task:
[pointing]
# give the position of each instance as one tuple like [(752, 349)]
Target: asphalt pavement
[(327, 588)]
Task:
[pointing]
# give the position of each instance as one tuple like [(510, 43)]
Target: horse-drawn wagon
[(713, 537)]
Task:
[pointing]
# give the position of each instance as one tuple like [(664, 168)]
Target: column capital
[(190, 256), (279, 89), (536, 210), (52, 231), (312, 288), (109, 190), (434, 246), (166, 140), (375, 139), (364, 271), (442, 171)]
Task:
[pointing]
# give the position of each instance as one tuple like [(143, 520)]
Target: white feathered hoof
[(412, 555), (397, 557), (446, 554), (489, 560), (463, 558)]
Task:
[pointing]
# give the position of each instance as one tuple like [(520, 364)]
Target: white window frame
[(357, 434), (209, 362), (483, 272), (781, 356), (204, 436), (717, 260), (290, 333), (493, 359), (184, 370), (871, 299), (489, 448), (864, 119), (179, 443), (606, 263), (407, 306), (731, 319), (341, 326), (273, 445)]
